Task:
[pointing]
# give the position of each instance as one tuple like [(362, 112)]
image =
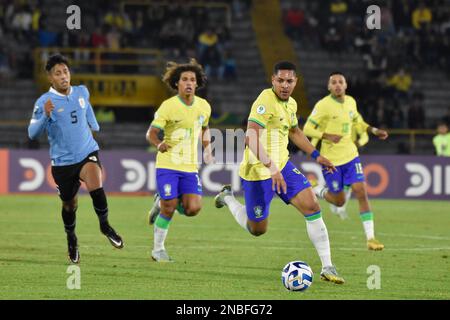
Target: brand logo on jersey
[(60, 110), (258, 211), (93, 158), (261, 109), (314, 112), (82, 102), (351, 114), (167, 190), (201, 120), (36, 109)]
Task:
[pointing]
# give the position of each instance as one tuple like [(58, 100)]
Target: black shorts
[(67, 178)]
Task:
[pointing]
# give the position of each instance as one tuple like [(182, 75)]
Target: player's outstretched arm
[(301, 141), (380, 133), (206, 142)]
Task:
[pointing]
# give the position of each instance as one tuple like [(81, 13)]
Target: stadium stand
[(373, 59), (401, 94)]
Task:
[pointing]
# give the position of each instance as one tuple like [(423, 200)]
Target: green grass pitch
[(215, 258)]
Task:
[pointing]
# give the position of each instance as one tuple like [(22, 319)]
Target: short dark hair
[(174, 71), (334, 73), (284, 65), (54, 60)]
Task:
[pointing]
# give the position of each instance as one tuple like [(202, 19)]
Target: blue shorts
[(346, 174), (172, 184), (258, 194)]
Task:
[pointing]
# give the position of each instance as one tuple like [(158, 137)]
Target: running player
[(266, 169), (332, 120), (183, 118), (66, 114)]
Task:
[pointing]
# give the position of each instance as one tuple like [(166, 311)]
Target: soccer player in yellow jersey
[(332, 120), (266, 169), (183, 117), (360, 137)]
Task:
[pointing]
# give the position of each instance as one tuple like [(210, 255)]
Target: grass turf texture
[(215, 258)]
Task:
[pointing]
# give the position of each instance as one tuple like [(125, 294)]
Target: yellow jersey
[(334, 117), (277, 117), (182, 125)]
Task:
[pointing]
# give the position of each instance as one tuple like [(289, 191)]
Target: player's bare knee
[(360, 193), (168, 208), (313, 206), (339, 202), (257, 231), (192, 210), (339, 199)]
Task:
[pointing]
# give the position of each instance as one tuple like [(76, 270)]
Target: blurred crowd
[(414, 36), (180, 29)]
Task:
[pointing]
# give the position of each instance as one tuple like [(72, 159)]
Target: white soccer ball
[(297, 276)]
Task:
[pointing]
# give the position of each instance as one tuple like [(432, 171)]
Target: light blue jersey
[(68, 127)]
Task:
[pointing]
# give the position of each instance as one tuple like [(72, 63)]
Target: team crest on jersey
[(167, 190), (258, 211), (293, 117), (335, 185), (261, 109), (82, 102)]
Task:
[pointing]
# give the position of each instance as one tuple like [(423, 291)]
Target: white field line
[(207, 247), (331, 232)]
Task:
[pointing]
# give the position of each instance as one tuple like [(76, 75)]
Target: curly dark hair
[(54, 60), (174, 71)]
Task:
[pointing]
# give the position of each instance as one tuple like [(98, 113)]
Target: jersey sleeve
[(261, 113), (314, 126), (162, 116), (359, 123), (38, 120), (294, 119), (205, 123)]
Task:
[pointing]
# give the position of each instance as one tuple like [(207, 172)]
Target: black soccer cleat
[(155, 210), (73, 253), (112, 236)]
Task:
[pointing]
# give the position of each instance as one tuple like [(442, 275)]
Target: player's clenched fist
[(48, 106)]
